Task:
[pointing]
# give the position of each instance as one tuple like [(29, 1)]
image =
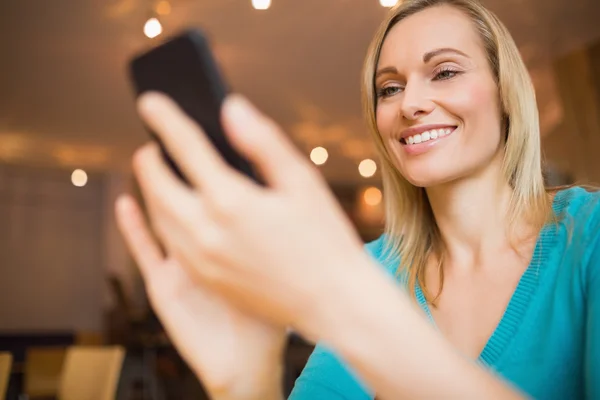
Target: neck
[(471, 215)]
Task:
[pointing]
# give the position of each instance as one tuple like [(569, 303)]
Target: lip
[(419, 148), (423, 128)]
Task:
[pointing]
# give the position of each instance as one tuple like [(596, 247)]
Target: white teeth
[(428, 135)]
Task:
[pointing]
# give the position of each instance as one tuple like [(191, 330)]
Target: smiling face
[(437, 100)]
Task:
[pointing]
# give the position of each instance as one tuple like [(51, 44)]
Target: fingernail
[(239, 109), (150, 102)]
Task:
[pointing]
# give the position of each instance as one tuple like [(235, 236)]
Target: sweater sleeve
[(326, 377), (592, 295), (592, 343)]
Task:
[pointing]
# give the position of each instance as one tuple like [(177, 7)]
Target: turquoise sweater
[(548, 340)]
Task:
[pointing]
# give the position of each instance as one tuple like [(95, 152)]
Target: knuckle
[(210, 241), (230, 204), (138, 161), (140, 156), (159, 206), (197, 216), (211, 274)]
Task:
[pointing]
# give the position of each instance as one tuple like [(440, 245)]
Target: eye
[(445, 73), (388, 91)]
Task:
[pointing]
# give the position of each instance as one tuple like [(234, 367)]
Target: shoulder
[(579, 202), (578, 211)]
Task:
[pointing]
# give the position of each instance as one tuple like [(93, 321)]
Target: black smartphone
[(183, 68)]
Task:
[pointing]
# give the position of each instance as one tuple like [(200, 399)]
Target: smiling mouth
[(432, 134)]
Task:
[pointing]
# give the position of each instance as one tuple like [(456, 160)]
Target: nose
[(415, 102)]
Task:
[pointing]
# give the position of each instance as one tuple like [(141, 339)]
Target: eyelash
[(382, 93), (443, 70), (437, 77)]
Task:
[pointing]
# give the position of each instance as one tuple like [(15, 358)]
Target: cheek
[(475, 104), (386, 120)]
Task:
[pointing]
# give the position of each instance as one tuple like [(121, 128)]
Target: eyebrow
[(437, 52), (386, 70), (426, 58)]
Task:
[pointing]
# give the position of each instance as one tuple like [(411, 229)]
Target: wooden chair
[(5, 369), (42, 371), (91, 373)]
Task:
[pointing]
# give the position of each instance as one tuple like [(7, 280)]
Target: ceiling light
[(152, 28), (163, 7), (261, 4), (319, 155), (372, 196), (388, 3), (79, 178), (367, 168)]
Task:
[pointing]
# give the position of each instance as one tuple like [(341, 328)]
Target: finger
[(185, 141), (154, 175), (138, 237), (173, 207), (158, 184), (263, 143)]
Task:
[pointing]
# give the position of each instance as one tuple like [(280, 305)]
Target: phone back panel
[(184, 69)]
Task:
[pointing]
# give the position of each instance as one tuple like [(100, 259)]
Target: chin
[(426, 181), (427, 177)]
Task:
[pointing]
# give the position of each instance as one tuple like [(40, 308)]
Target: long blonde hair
[(411, 232)]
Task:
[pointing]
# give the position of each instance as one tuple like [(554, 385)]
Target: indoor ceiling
[(65, 99)]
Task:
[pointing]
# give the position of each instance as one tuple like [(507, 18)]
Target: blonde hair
[(410, 230)]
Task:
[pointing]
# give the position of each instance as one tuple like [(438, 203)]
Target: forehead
[(427, 30)]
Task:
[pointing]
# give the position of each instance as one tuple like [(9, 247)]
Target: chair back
[(91, 373), (42, 370), (5, 368)]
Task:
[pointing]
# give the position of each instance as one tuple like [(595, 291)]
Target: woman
[(501, 276)]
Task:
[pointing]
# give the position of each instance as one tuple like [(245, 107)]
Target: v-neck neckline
[(520, 299)]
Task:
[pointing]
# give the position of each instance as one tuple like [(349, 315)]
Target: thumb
[(262, 142)]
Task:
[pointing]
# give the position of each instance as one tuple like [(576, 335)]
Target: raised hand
[(280, 251), (236, 356)]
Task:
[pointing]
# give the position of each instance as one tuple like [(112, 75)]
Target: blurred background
[(71, 300)]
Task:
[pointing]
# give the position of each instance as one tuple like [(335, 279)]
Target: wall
[(574, 146), (51, 251)]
